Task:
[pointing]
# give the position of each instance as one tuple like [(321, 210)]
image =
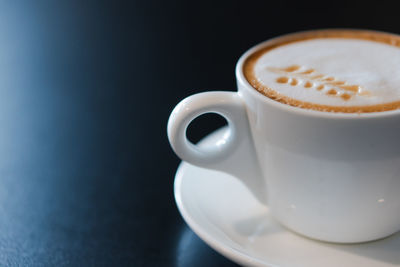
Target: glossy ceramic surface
[(223, 212)]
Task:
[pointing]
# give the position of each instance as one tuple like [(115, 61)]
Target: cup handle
[(234, 153)]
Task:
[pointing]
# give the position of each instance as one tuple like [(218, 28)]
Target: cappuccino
[(350, 71)]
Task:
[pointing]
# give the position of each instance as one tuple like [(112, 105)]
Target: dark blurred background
[(86, 88)]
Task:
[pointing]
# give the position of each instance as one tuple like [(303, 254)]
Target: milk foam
[(333, 71)]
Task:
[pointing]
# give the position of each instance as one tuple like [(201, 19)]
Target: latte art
[(339, 71), (309, 78)]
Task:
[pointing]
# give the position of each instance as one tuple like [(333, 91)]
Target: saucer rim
[(226, 250)]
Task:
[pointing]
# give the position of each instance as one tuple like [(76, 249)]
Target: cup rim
[(302, 111)]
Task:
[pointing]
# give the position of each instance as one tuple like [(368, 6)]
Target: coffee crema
[(349, 71)]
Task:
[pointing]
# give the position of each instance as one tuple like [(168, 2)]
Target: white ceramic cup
[(329, 176)]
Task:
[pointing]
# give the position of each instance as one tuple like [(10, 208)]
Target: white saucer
[(222, 212)]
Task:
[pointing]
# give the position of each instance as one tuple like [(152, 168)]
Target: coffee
[(351, 71)]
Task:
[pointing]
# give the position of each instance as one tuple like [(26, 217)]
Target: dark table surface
[(86, 88)]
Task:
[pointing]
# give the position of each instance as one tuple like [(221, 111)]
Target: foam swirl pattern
[(331, 72)]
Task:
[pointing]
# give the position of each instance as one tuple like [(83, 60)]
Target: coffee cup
[(331, 174)]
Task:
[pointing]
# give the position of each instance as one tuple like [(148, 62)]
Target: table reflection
[(192, 251)]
